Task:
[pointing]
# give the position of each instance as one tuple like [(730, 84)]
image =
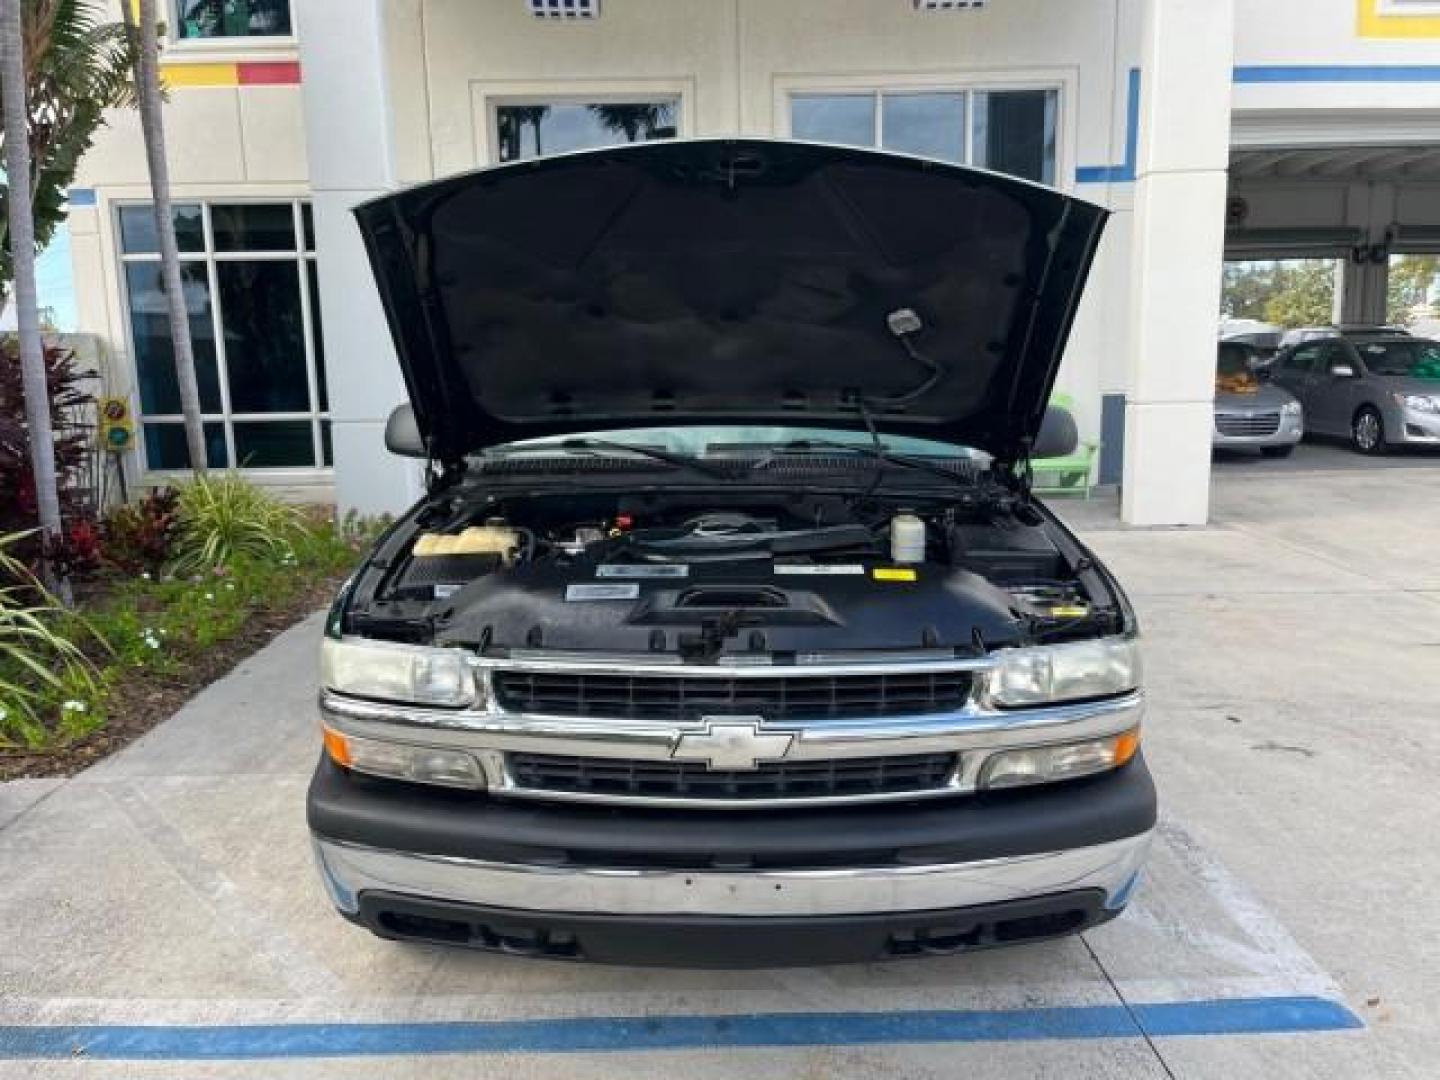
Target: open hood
[(729, 281)]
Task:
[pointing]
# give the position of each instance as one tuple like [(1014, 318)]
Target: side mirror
[(402, 434), (1058, 434), (1342, 371)]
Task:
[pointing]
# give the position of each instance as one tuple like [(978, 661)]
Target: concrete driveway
[(162, 918)]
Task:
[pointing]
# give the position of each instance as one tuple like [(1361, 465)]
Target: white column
[(348, 136), (1177, 251)]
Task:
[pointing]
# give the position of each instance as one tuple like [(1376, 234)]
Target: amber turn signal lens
[(337, 747), (1126, 746)]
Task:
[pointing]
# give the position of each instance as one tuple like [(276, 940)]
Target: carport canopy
[(1355, 203)]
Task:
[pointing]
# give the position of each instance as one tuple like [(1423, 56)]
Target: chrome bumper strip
[(972, 733), (350, 869)]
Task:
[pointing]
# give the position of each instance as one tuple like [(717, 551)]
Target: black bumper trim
[(731, 942), (409, 818)]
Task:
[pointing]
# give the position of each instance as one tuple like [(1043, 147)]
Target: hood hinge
[(440, 475), (1016, 474)]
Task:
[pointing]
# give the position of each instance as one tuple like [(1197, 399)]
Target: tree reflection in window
[(233, 18), (530, 130)]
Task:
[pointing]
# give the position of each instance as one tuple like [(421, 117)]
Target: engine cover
[(705, 608)]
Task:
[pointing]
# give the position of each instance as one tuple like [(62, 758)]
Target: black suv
[(729, 631)]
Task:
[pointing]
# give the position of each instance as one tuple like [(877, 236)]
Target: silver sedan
[(1251, 413), (1380, 392)]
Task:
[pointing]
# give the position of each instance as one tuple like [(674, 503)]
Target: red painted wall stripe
[(269, 73)]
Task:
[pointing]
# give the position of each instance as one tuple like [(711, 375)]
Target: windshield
[(1233, 373), (1417, 359), (720, 439)]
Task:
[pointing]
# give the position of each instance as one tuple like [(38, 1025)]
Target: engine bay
[(705, 572)]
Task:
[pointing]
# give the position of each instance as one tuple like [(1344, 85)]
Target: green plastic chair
[(1069, 475)]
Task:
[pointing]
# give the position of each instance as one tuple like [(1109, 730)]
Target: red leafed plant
[(138, 536), (70, 416)]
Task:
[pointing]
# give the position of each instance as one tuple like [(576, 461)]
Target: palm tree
[(60, 68), (76, 66), (147, 83), (651, 119), (22, 254)]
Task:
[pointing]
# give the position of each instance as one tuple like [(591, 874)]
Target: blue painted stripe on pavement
[(628, 1034), (1341, 73)]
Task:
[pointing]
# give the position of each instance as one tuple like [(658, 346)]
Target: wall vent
[(565, 9), (948, 5)]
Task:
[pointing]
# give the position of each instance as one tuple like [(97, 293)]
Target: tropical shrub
[(222, 516), (44, 671), (138, 537)]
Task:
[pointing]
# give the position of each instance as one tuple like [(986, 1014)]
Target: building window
[(534, 129), (202, 19), (1009, 131), (248, 276)]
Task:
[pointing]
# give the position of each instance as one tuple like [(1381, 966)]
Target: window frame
[(1063, 81), (488, 97), (306, 261), (265, 44)]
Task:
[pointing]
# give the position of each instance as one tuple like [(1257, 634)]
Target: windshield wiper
[(683, 461), (875, 453)]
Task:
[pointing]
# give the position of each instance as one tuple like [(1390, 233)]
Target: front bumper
[(701, 889), (1289, 432), (1415, 428)]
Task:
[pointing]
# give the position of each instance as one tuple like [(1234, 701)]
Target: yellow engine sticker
[(893, 573)]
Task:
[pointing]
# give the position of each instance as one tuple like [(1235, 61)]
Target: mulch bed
[(143, 700)]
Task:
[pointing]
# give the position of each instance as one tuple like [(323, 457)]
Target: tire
[(1367, 431), (1277, 451)]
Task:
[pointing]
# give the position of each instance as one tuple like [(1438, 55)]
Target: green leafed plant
[(42, 665), (223, 516)]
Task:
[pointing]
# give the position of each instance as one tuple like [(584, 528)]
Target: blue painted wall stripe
[(1123, 173), (628, 1034), (1337, 73)]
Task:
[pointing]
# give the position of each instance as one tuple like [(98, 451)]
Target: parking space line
[(1232, 1016)]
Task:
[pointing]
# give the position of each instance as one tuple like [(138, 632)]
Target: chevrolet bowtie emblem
[(732, 744)]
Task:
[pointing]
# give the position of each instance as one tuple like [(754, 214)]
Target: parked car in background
[(1250, 412), (1378, 392), (1355, 331)]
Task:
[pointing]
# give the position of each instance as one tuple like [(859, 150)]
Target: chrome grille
[(775, 697), (841, 778), (1242, 424)]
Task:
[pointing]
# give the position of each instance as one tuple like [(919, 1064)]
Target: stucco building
[(1268, 128)]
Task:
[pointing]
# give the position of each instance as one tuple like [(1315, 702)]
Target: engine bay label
[(643, 570), (619, 590), (820, 568)]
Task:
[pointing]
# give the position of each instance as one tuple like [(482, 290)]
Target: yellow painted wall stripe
[(1370, 23), (200, 74)]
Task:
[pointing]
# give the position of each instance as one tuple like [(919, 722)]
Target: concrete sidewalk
[(1294, 666)]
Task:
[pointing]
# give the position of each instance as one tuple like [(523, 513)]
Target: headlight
[(1047, 764), (391, 672), (1418, 402), (1290, 408), (1044, 674), (401, 761)]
